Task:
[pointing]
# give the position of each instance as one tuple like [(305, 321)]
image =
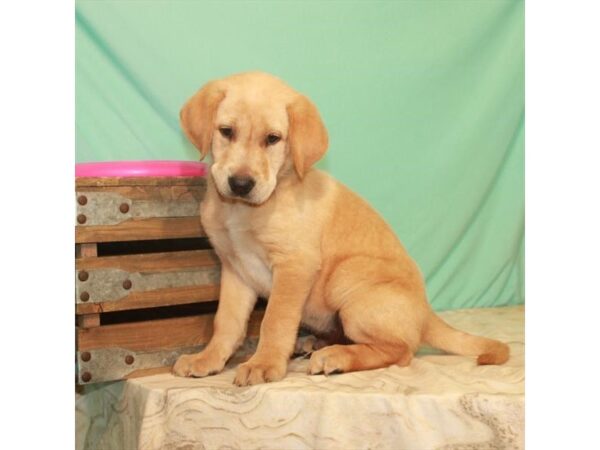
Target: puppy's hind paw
[(329, 361)]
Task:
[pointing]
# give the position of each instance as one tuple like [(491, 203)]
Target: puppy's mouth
[(244, 199), (239, 195)]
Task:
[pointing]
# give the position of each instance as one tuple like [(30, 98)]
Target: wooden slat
[(142, 229), (88, 320), (148, 335), (140, 181), (151, 299), (86, 251), (156, 334), (152, 261)]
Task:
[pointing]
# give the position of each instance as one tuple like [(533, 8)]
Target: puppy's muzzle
[(241, 185)]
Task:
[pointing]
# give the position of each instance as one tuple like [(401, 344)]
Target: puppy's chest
[(236, 243)]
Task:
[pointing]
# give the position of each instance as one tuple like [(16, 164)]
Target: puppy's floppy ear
[(307, 135), (197, 116)]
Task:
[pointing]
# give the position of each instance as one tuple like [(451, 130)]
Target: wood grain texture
[(88, 320), (140, 181), (86, 250), (153, 263), (156, 334), (151, 299), (142, 229), (159, 191)]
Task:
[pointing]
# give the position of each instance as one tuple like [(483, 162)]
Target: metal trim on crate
[(109, 364), (112, 208), (109, 285)]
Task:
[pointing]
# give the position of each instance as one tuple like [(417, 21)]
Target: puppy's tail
[(439, 334)]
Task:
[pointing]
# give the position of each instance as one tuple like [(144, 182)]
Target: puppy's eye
[(273, 139), (226, 132)]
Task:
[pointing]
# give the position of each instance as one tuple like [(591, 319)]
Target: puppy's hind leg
[(354, 357), (382, 336)]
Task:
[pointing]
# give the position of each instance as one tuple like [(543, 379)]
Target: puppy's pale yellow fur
[(319, 253)]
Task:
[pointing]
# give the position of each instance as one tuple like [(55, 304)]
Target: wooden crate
[(128, 209), (146, 279)]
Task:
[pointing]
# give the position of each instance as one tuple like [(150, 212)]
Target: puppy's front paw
[(258, 370), (197, 365)]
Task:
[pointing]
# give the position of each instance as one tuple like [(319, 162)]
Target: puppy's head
[(258, 129)]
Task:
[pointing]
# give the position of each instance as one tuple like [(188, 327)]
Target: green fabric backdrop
[(424, 102)]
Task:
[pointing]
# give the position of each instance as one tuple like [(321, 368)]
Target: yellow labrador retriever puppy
[(320, 254)]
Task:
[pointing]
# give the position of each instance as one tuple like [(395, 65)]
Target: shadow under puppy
[(292, 234)]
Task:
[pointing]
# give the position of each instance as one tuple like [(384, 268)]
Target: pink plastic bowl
[(141, 169)]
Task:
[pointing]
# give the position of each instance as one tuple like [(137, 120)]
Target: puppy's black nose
[(241, 185)]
